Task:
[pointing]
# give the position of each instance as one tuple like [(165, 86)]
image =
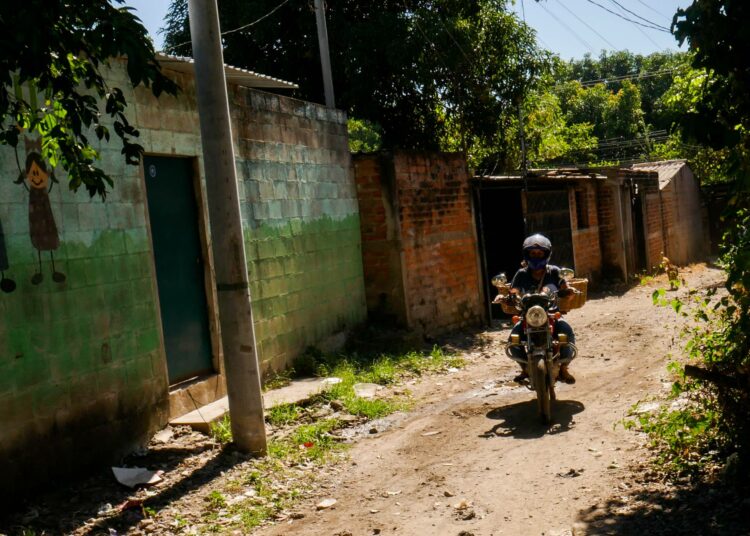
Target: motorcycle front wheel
[(542, 387)]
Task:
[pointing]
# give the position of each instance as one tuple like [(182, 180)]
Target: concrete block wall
[(686, 232), (301, 222), (429, 201), (586, 244), (83, 376), (82, 370)]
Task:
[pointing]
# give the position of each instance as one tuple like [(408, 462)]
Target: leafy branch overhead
[(53, 57)]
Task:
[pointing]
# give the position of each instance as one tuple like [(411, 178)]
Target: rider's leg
[(561, 326), (519, 352)]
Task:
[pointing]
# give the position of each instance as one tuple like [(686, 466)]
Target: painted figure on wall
[(42, 227), (6, 284)]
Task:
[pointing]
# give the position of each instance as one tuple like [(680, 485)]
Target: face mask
[(537, 264)]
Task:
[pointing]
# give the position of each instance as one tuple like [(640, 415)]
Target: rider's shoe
[(521, 377), (565, 375)]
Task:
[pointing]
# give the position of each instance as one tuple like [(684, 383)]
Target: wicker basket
[(575, 300)]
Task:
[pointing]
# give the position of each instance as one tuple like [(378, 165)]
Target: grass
[(221, 430), (383, 370), (284, 414), (307, 441)]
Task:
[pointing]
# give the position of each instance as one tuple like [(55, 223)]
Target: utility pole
[(235, 312), (325, 57)]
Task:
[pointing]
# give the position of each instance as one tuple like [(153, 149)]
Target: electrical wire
[(633, 76), (659, 28), (636, 15), (654, 10), (613, 47), (244, 27), (573, 33)]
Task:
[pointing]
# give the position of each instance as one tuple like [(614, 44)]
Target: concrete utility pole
[(325, 57), (235, 312)]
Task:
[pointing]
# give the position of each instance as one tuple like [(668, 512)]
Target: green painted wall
[(82, 367), (82, 375)]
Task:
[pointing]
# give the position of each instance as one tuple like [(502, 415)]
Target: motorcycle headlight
[(536, 316)]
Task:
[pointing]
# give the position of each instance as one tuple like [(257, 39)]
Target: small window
[(582, 209)]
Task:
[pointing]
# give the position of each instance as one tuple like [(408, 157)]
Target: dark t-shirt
[(525, 282)]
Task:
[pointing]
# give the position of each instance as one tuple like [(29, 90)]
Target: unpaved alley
[(475, 460)]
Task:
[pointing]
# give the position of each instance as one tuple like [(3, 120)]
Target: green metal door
[(178, 256)]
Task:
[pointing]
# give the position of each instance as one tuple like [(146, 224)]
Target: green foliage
[(216, 500), (683, 438), (426, 72), (716, 421), (277, 380), (364, 136), (283, 414), (59, 52), (221, 430)]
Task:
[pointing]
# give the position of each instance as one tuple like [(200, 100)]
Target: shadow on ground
[(521, 420), (71, 509), (664, 510)]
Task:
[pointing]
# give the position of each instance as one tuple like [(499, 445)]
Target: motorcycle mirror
[(499, 280), (567, 273)]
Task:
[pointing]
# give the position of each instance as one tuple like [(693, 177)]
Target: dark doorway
[(501, 229), (548, 213), (173, 214), (639, 229), (501, 233)]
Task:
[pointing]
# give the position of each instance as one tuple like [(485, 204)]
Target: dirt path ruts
[(491, 457)]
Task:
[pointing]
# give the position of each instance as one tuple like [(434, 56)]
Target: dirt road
[(475, 460)]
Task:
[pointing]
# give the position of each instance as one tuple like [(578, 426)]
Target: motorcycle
[(539, 312)]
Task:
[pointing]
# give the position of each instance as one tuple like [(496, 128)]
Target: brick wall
[(430, 205), (381, 244), (586, 245), (610, 239), (654, 225)]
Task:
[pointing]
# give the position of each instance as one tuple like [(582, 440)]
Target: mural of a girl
[(42, 227)]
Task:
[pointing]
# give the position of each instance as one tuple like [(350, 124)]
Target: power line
[(637, 27), (660, 28), (587, 25), (620, 78), (654, 10), (244, 27), (636, 15), (573, 33)]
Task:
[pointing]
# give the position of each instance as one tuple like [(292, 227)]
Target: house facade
[(108, 316)]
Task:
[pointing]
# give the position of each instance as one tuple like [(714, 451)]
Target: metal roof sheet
[(667, 169), (549, 175), (234, 75)]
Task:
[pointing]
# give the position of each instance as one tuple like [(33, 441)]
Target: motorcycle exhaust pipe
[(573, 353)]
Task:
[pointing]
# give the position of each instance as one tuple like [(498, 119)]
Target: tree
[(716, 112), (59, 50), (432, 74)]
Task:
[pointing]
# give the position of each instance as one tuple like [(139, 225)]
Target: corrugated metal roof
[(667, 169), (548, 175), (234, 75)]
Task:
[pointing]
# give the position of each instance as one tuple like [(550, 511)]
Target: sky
[(570, 28)]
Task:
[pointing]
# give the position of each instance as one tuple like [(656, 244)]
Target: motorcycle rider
[(539, 276)]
